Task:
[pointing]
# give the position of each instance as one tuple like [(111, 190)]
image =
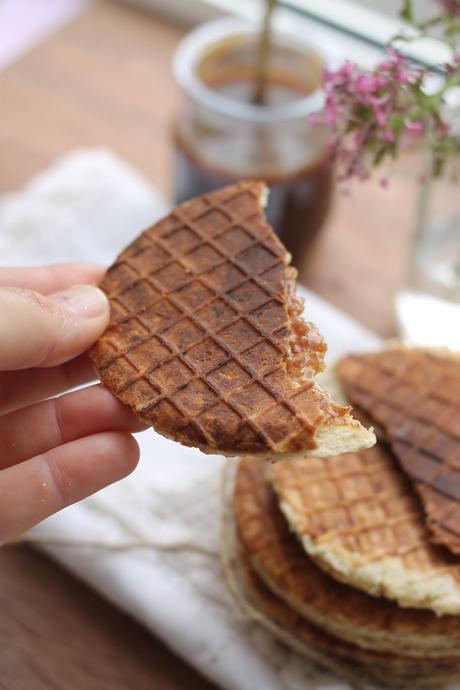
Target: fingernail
[(85, 301)]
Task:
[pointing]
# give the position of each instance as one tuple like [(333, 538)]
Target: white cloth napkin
[(87, 207)]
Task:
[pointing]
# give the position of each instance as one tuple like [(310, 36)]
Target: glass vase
[(428, 305), (222, 136)]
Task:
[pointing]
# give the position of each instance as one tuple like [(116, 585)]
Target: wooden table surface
[(105, 80)]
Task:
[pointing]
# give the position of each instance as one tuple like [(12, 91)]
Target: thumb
[(38, 331)]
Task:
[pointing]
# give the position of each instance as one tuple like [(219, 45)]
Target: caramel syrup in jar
[(300, 193)]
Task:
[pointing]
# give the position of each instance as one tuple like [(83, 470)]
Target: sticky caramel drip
[(307, 347)]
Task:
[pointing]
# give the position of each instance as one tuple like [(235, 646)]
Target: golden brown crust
[(414, 396), (347, 613), (201, 333), (359, 519), (318, 646)]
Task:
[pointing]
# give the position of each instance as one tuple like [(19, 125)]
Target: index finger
[(49, 279), (21, 388)]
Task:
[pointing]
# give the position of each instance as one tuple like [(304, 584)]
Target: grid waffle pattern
[(199, 333), (362, 503), (414, 396), (348, 613)]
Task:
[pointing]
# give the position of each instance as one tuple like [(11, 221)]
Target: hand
[(55, 451)]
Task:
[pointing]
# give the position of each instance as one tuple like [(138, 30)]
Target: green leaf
[(438, 164), (396, 122), (452, 28), (429, 103), (407, 11), (380, 155)]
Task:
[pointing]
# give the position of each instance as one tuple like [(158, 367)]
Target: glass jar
[(222, 136), (428, 305)]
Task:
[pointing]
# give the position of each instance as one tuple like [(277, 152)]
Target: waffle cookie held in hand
[(206, 342)]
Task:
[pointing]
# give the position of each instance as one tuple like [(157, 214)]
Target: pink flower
[(389, 135), (452, 66), (450, 7), (344, 72), (415, 127), (380, 115), (331, 112), (368, 83), (368, 111)]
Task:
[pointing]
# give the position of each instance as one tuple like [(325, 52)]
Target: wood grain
[(57, 634), (103, 80)]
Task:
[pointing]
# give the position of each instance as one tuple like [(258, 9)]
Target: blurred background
[(76, 73)]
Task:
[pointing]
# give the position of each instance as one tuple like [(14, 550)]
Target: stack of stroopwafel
[(334, 554)]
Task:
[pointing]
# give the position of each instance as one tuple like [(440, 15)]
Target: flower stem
[(263, 55)]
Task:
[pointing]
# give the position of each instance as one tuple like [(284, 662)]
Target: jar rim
[(190, 51)]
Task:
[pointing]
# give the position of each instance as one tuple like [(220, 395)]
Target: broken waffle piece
[(413, 395), (206, 341)]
